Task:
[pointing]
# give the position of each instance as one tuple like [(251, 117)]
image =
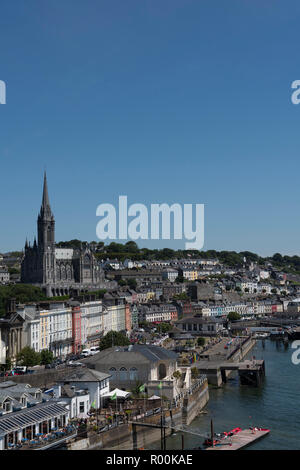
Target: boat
[(240, 439), (262, 335), (220, 437)]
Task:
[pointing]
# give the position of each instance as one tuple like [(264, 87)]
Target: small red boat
[(221, 437)]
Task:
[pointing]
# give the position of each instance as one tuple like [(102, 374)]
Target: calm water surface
[(276, 404)]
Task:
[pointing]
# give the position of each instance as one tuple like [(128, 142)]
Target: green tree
[(200, 341), (98, 293), (28, 357), (177, 374), (13, 270), (46, 356), (131, 247), (113, 338), (164, 327), (233, 316), (132, 283), (23, 293), (182, 296)]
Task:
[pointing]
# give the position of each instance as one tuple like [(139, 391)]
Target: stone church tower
[(46, 239), (58, 270)]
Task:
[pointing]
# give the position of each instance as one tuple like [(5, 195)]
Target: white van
[(86, 352), (94, 349)]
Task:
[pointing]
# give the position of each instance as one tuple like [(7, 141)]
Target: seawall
[(123, 438)]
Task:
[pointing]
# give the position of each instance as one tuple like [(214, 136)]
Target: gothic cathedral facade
[(58, 270)]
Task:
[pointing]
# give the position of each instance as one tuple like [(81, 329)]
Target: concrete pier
[(252, 373), (219, 368)]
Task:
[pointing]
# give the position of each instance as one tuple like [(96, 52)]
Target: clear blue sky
[(183, 101)]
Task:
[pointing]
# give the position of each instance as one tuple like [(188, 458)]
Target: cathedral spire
[(45, 192), (45, 207), (46, 222)]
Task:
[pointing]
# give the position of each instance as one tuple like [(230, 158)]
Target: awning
[(119, 393), (17, 420)]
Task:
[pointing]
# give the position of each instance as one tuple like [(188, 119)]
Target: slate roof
[(140, 352), (86, 375), (19, 419)]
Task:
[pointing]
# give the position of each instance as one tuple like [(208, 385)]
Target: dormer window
[(7, 405), (24, 401)]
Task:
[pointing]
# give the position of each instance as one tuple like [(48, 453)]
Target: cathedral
[(58, 271)]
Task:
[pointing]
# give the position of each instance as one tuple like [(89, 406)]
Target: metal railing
[(48, 440)]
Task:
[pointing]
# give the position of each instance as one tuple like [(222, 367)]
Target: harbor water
[(274, 405)]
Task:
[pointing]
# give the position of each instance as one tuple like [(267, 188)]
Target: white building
[(4, 275), (48, 328), (92, 322), (170, 274), (96, 383), (247, 286)]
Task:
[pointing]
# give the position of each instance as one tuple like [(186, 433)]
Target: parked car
[(50, 366), (86, 353)]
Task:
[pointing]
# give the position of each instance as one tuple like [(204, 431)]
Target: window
[(162, 372), (81, 407), (123, 373), (113, 373), (7, 405), (133, 373)]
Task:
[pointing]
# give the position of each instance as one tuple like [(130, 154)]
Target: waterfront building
[(199, 326), (76, 400), (138, 363), (96, 382), (92, 322), (26, 412)]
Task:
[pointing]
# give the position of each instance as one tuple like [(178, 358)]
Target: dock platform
[(240, 440)]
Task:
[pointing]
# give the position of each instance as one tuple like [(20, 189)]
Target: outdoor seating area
[(41, 440), (35, 426)]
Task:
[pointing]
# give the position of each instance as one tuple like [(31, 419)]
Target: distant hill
[(288, 264)]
